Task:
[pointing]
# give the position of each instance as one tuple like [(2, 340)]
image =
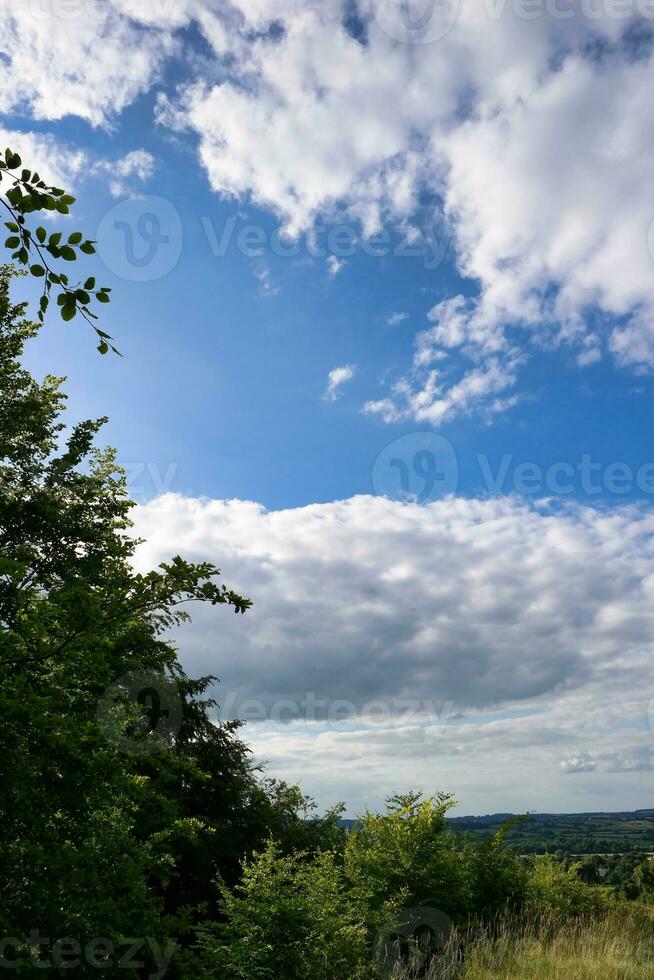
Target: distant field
[(572, 833)]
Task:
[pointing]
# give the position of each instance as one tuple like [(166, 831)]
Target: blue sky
[(469, 233)]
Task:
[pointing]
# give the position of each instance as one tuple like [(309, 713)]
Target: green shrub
[(290, 917), (408, 855), (553, 890)]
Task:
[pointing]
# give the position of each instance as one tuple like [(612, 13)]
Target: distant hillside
[(572, 833)]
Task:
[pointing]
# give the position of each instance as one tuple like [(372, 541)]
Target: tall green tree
[(122, 798)]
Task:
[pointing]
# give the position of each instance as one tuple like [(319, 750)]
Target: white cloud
[(58, 163), (534, 626), (534, 131), (337, 377), (88, 58), (430, 396), (136, 165), (579, 763), (396, 318), (334, 265), (263, 276)]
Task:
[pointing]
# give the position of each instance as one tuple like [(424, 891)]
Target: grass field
[(619, 946)]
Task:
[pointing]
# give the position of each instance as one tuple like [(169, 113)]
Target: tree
[(115, 815)]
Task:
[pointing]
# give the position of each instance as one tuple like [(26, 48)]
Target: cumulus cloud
[(532, 130), (57, 162), (112, 59), (508, 635), (479, 602), (338, 377)]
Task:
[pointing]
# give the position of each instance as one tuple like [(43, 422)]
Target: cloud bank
[(490, 630)]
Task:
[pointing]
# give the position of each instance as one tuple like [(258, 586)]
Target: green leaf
[(75, 238), (67, 199), (90, 283), (102, 298), (68, 312), (41, 234), (26, 176), (55, 238), (13, 160), (12, 226), (88, 248), (37, 270), (68, 253), (103, 347), (12, 242)]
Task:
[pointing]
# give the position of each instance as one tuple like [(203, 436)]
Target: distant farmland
[(571, 833)]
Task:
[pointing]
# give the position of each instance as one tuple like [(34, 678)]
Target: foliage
[(408, 852), (290, 917), (94, 841), (557, 891), (498, 878), (26, 194)]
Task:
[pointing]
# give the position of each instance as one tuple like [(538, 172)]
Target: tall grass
[(617, 946)]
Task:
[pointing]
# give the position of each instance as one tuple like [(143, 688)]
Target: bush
[(558, 892), (409, 855), (291, 917)]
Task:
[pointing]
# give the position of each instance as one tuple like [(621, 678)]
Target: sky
[(383, 283)]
